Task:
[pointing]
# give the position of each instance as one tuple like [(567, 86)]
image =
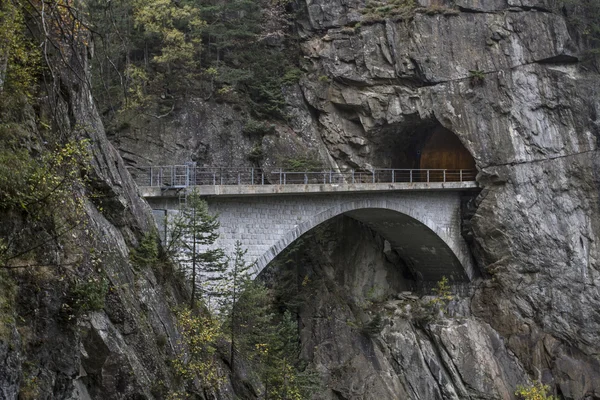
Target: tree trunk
[(233, 321), (193, 297), (3, 68)]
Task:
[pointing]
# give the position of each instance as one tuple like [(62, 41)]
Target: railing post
[(215, 178), (324, 178), (305, 179), (353, 176), (427, 176), (411, 176), (151, 176), (284, 176), (393, 177), (262, 177), (239, 178), (252, 175), (280, 176), (444, 175), (221, 173), (460, 173), (330, 176), (373, 175)]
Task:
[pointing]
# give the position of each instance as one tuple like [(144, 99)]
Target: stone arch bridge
[(417, 211)]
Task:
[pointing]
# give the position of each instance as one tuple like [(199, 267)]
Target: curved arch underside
[(431, 245), (425, 253)]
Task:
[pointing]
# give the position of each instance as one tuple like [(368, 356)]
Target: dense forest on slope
[(150, 55)]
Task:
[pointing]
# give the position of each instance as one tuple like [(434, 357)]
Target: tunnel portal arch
[(424, 145)]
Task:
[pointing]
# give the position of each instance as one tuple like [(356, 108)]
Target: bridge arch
[(430, 248)]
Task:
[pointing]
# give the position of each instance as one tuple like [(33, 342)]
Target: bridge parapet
[(182, 176)]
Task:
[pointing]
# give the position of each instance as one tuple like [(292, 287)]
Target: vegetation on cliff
[(55, 246), (43, 159), (229, 312), (152, 54)]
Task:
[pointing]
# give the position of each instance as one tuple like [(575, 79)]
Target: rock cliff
[(373, 337), (531, 126), (53, 343), (509, 79)]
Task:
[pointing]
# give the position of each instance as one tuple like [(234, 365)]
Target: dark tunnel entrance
[(427, 146)]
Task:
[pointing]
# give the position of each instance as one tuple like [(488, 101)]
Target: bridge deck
[(289, 189), (171, 181)]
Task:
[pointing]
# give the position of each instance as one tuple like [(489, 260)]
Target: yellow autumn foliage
[(198, 356), (537, 391)]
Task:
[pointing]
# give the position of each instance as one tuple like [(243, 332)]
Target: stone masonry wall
[(266, 225)]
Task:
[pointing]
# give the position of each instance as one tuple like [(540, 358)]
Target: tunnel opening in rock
[(443, 150), (425, 145)]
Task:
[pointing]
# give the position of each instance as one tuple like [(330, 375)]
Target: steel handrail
[(180, 176)]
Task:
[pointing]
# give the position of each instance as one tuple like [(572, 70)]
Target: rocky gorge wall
[(54, 344), (508, 78), (531, 126), (372, 336)]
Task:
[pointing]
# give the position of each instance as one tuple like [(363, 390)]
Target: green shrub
[(161, 341), (147, 253), (23, 57), (38, 184), (256, 154), (374, 326), (292, 76), (258, 128), (306, 163), (89, 295), (375, 11), (443, 294), (44, 190), (477, 77)]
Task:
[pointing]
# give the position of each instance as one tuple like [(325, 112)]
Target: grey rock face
[(530, 123), (414, 353), (214, 135), (121, 351)]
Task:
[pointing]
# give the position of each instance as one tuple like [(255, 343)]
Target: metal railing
[(181, 176)]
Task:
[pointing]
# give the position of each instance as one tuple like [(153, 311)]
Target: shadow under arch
[(431, 249)]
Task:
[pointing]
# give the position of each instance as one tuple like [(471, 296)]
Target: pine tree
[(192, 234), (251, 322), (258, 334), (239, 279)]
